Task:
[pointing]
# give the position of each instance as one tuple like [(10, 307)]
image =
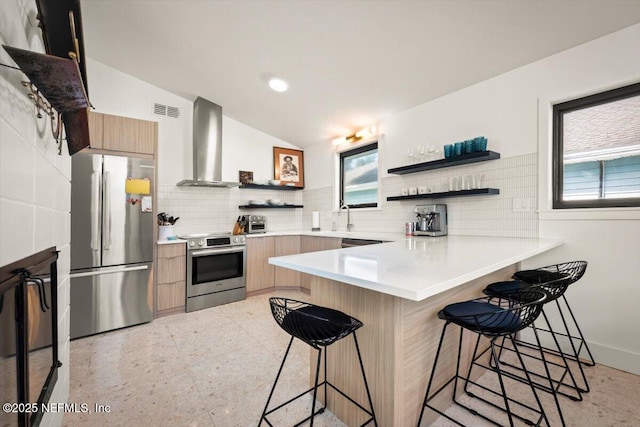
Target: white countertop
[(419, 267), (369, 235), (170, 242), (385, 236)]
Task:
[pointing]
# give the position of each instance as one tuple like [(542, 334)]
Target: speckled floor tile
[(215, 368)]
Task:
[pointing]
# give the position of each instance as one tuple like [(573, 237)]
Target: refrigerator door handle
[(101, 272), (95, 211), (106, 212)]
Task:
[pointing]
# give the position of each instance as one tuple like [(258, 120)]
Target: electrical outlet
[(521, 205)]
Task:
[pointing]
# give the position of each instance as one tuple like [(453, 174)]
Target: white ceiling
[(348, 63)]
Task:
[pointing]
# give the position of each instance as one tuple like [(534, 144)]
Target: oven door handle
[(205, 252)]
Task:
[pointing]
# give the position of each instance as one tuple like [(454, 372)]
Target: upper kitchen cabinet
[(124, 134)]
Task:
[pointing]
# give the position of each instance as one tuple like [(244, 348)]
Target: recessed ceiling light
[(278, 85)]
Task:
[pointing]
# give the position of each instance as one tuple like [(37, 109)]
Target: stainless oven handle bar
[(205, 252), (100, 272)]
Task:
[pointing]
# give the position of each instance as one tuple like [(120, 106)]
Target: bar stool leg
[(284, 359), (315, 388), (591, 361), (573, 347), (433, 371), (533, 389), (364, 377)]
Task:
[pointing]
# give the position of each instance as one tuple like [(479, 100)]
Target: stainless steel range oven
[(216, 269)]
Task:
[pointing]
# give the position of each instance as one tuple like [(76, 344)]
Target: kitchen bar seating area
[(214, 378)]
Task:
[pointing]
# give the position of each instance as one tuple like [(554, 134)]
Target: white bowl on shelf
[(274, 182), (274, 202), (257, 202)]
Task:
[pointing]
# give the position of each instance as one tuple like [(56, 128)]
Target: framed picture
[(288, 166), (246, 177)]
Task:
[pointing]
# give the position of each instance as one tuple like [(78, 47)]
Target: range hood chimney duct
[(207, 147)]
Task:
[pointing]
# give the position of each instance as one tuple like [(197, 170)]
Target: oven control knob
[(235, 240), (200, 243), (192, 243), (242, 239)]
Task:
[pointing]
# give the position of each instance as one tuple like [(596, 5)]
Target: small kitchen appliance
[(256, 224), (432, 220)]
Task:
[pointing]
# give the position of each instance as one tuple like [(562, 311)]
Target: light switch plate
[(521, 205)]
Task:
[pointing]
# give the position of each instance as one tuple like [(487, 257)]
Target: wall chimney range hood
[(207, 147)]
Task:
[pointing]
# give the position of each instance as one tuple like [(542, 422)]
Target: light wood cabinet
[(315, 244), (124, 134), (96, 130), (287, 245), (171, 283), (260, 274)]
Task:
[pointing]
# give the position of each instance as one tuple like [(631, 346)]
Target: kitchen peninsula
[(396, 289)]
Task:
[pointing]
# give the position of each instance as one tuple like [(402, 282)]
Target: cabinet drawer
[(171, 269), (171, 250), (171, 295)]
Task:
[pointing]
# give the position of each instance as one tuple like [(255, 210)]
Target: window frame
[(558, 148), (350, 152)]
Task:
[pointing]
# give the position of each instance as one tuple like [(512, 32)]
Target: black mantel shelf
[(460, 193), (271, 187), (270, 206), (463, 159)]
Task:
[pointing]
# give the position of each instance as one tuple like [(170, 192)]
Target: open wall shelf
[(271, 187), (475, 157), (460, 193), (270, 206)]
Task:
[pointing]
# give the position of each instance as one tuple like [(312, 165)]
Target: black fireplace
[(28, 337)]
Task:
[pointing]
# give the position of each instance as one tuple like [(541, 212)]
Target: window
[(596, 150), (359, 176)]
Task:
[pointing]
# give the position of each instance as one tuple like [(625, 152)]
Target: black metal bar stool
[(318, 327), (492, 318), (555, 279)]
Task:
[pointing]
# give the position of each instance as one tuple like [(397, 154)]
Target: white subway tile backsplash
[(212, 209), (205, 209), (476, 215)]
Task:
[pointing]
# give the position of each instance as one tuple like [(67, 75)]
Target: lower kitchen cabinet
[(171, 282), (260, 274), (287, 245), (315, 244)]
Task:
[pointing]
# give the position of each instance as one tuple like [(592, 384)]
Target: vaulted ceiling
[(348, 63)]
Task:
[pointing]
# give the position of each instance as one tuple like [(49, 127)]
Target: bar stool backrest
[(315, 325), (516, 310), (556, 278)]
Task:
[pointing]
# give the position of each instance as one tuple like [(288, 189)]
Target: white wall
[(511, 110), (35, 190), (114, 92), (243, 148)]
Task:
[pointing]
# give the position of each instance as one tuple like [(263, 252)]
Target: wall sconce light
[(362, 133)]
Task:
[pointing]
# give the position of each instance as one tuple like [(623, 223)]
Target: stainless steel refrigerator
[(111, 244)]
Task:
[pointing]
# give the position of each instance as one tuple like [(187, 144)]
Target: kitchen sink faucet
[(343, 205)]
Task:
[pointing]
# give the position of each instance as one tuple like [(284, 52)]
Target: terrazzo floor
[(215, 368)]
